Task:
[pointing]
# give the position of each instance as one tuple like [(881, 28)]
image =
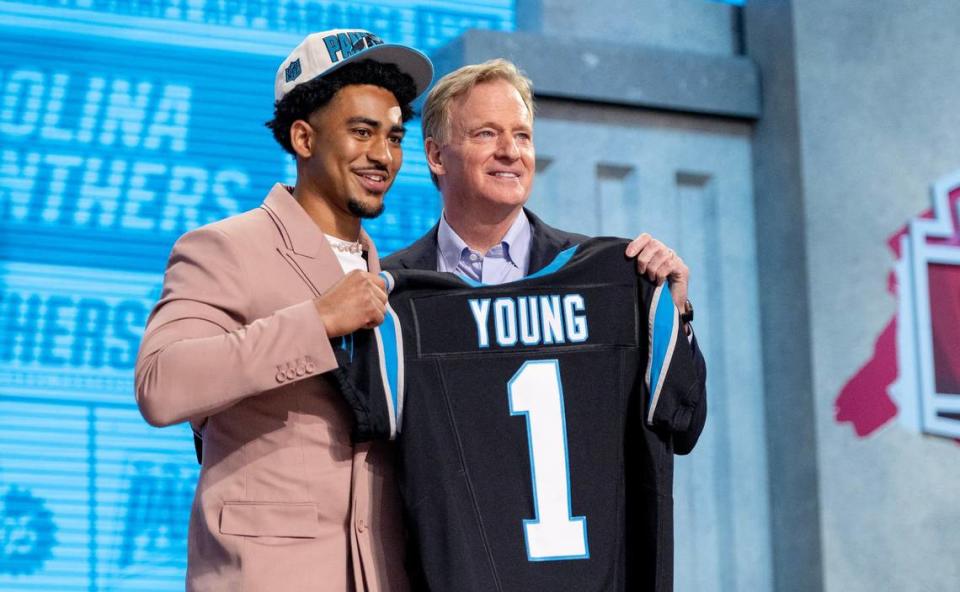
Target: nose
[(381, 152), (507, 148)]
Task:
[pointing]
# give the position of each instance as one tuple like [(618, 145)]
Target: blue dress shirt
[(504, 262)]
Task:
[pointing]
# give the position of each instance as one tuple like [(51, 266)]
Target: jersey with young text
[(533, 422)]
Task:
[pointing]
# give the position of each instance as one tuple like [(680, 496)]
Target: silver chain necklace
[(343, 246)]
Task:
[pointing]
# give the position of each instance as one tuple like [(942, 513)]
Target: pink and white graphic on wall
[(914, 373)]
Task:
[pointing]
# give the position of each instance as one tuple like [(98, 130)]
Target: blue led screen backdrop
[(123, 125)]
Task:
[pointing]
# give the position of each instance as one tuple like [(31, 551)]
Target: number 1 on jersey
[(553, 534)]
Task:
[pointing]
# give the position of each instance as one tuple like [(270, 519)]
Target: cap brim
[(409, 60)]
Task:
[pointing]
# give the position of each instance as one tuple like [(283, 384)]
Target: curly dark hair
[(305, 99)]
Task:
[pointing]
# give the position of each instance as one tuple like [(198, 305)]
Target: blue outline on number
[(533, 470)]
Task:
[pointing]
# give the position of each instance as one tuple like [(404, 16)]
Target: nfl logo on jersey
[(928, 336)]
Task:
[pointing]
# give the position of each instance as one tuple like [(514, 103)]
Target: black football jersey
[(533, 421)]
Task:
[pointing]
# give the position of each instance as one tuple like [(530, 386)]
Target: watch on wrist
[(686, 316)]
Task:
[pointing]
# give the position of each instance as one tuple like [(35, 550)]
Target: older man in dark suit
[(478, 138)]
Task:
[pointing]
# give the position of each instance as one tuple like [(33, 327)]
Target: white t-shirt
[(348, 260)]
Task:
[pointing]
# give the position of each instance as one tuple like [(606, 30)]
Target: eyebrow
[(498, 126), (375, 124)]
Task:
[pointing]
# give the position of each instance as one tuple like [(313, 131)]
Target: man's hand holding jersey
[(357, 301), (659, 262)]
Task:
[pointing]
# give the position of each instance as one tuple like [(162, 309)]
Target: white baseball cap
[(325, 52)]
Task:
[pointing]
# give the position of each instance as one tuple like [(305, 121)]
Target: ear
[(302, 138), (434, 159)]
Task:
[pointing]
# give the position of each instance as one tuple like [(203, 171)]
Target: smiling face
[(487, 163), (351, 152)]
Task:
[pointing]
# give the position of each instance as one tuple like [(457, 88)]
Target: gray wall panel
[(784, 308), (614, 70), (687, 180), (687, 25), (877, 89)]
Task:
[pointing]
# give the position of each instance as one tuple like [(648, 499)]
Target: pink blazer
[(285, 501)]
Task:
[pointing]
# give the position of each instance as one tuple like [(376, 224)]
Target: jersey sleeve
[(671, 380), (371, 378)]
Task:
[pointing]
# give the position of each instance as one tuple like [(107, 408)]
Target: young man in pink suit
[(241, 338)]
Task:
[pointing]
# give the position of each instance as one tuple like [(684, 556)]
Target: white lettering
[(125, 112), (481, 310), (529, 320), (62, 165), (91, 107), (224, 194), (105, 197), (93, 192), (51, 119), (18, 176), (21, 103), (505, 321), (131, 115), (139, 195), (170, 119), (543, 320), (552, 319), (183, 207), (576, 324)]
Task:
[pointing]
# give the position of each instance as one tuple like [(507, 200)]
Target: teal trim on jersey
[(662, 330), (346, 344), (562, 258), (388, 280), (391, 359)]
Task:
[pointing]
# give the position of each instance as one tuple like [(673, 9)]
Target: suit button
[(361, 525), (301, 370), (311, 367), (291, 373), (281, 377)]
